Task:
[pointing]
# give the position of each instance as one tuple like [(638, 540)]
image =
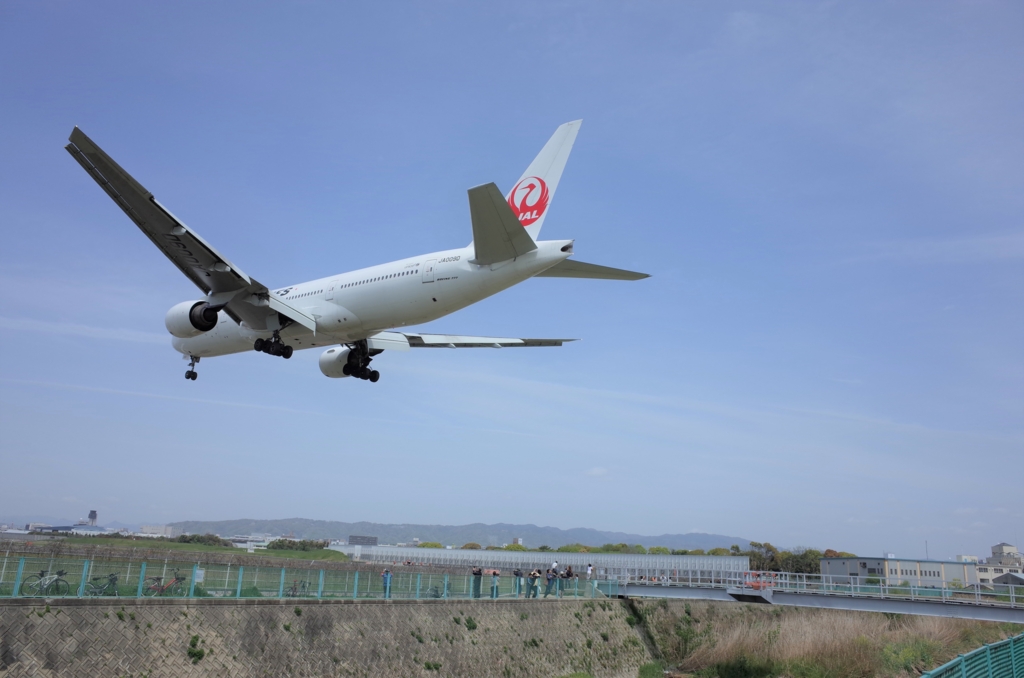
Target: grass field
[(153, 545)]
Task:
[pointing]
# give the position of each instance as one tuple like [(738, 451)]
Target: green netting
[(999, 660)]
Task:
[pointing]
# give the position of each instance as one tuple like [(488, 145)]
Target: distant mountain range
[(485, 535)]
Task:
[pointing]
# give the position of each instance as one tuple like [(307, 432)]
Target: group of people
[(553, 579)]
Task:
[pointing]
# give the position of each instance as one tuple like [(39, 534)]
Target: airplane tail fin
[(531, 197)]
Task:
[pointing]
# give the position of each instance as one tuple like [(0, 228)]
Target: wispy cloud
[(76, 330), (158, 396), (976, 249)]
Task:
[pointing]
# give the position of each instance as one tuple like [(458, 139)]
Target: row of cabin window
[(393, 275), (383, 277)]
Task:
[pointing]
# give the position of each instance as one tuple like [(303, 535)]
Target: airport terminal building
[(606, 565)]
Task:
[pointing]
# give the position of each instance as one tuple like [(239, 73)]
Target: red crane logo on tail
[(529, 200)]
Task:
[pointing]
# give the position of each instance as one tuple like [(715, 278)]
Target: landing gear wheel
[(374, 376), (286, 352), (194, 375), (191, 375), (257, 345)]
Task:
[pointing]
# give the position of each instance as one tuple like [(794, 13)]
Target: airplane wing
[(403, 341), (225, 285)]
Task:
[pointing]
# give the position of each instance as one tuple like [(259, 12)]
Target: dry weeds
[(810, 642)]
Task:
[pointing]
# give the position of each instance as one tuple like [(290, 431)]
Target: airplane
[(356, 314)]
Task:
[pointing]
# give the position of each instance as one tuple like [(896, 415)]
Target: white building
[(1006, 566)]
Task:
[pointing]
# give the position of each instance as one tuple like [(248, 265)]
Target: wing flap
[(460, 341), (497, 233), (569, 268)]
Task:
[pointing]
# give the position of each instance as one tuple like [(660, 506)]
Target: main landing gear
[(358, 364), (191, 373), (274, 347)]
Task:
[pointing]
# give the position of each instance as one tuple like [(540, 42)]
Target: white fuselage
[(355, 305)]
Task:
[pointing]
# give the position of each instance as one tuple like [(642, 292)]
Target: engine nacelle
[(190, 319), (333, 360)]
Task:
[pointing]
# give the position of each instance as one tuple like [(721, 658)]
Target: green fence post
[(85, 576), (320, 589), (419, 576), (575, 588), (280, 588), (988, 660), (443, 595), (142, 578), (17, 578), (355, 586), (192, 584), (238, 589)]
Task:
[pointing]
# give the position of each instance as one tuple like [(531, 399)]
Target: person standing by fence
[(385, 577), (550, 576), (478, 575), (495, 577), (531, 583)]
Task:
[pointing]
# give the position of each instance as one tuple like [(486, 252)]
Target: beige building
[(893, 571)]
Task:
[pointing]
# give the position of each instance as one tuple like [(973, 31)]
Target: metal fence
[(999, 660), (997, 595), (56, 577), (606, 565)]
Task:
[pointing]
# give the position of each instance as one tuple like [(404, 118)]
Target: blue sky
[(829, 197)]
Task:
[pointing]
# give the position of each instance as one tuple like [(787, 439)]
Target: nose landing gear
[(191, 373), (274, 346)]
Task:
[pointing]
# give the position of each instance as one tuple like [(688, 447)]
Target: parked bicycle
[(107, 588), (44, 584), (297, 589), (154, 586)]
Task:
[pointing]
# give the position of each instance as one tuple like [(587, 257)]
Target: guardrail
[(998, 595), (83, 578), (998, 660)]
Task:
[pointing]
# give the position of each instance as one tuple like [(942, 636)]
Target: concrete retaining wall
[(151, 638)]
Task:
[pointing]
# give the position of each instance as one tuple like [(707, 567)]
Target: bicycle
[(154, 586), (43, 584), (109, 588), (297, 589)]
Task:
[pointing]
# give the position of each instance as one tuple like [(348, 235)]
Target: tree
[(515, 547), (680, 552), (719, 551), (735, 550), (637, 548), (574, 548), (472, 546), (696, 552), (659, 551), (431, 545), (545, 547)]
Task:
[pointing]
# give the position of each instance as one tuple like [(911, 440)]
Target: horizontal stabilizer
[(497, 233), (569, 268), (403, 341)]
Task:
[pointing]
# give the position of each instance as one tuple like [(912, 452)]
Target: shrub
[(470, 624), (515, 547), (431, 545), (203, 539), (473, 546), (298, 545)]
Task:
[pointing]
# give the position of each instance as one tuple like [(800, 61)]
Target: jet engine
[(190, 319), (333, 360)]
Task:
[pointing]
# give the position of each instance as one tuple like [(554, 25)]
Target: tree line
[(763, 557)]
